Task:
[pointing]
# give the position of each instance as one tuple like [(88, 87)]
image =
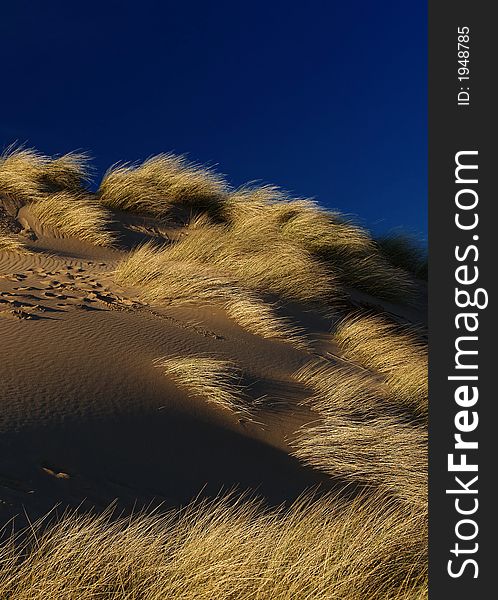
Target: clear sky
[(323, 98)]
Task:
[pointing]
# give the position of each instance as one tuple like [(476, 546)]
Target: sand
[(86, 418)]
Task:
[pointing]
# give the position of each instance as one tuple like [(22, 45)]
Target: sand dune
[(168, 338)]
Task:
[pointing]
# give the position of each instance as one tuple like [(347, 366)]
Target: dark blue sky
[(324, 98)]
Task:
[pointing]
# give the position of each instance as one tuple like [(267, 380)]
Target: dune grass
[(259, 262), (341, 386), (261, 318), (69, 172), (391, 351), (345, 248), (28, 176), (247, 225), (359, 435), (226, 549), (285, 246), (216, 380), (161, 182), (301, 221), (12, 243), (243, 250), (74, 216), (20, 171), (163, 280), (406, 252), (381, 452)]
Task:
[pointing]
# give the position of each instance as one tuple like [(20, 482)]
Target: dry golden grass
[(357, 436), (69, 172), (27, 176), (382, 452), (406, 252), (301, 221), (267, 238), (161, 182), (256, 260), (20, 171), (347, 389), (348, 250), (241, 251), (260, 318), (12, 243), (161, 279), (216, 380), (74, 216), (398, 355), (227, 549)]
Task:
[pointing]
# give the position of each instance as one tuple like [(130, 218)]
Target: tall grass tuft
[(28, 176), (261, 318), (395, 353), (74, 216), (347, 250), (381, 452), (216, 380), (163, 280), (225, 549), (406, 252), (161, 182), (358, 435), (260, 262)]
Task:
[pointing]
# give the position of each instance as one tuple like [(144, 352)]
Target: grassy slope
[(247, 251), (235, 549)]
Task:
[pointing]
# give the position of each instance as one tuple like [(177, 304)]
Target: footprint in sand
[(27, 288), (14, 277), (23, 315)]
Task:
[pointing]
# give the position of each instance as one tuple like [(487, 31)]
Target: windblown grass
[(405, 252), (243, 251), (358, 437), (216, 380), (161, 182), (161, 279), (225, 550), (256, 261), (260, 318), (69, 172), (381, 452), (342, 387), (387, 349), (74, 216), (259, 224), (11, 243), (28, 176), (290, 248), (301, 221), (348, 250)]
